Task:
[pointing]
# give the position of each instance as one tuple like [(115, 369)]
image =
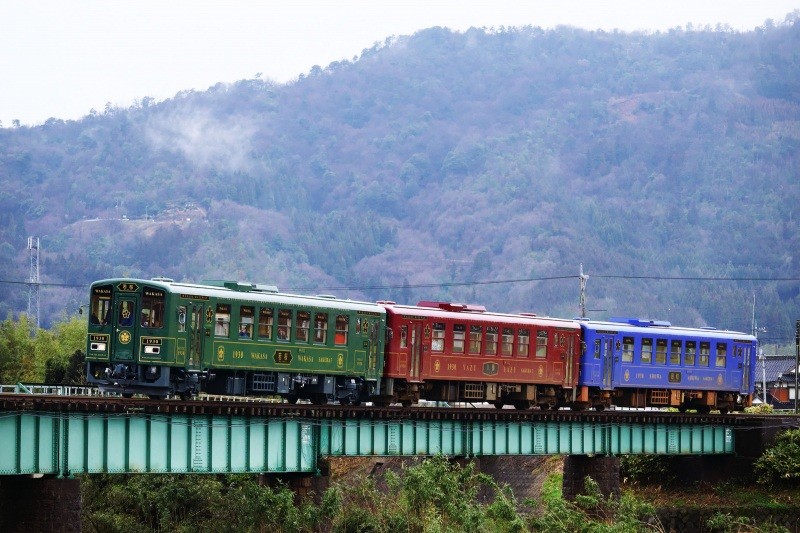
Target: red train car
[(452, 352)]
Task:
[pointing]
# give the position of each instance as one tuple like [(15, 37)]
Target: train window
[(342, 327), (596, 349), (722, 352), (265, 321), (303, 323), (246, 313), (127, 314), (647, 351), (321, 328), (459, 334), (437, 344), (222, 329), (181, 318), (100, 305), (404, 336), (507, 342), (675, 352), (661, 351), (541, 343), (627, 349), (491, 340), (691, 350), (152, 313), (523, 342), (284, 324), (705, 352), (475, 338)]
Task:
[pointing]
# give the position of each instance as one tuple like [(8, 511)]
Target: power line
[(42, 284), (527, 280), (475, 283)]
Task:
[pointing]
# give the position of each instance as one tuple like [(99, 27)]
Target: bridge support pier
[(603, 469), (46, 504)]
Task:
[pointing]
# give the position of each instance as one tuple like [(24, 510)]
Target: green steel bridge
[(69, 435)]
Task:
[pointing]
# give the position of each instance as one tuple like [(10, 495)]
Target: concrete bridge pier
[(603, 469), (44, 504)]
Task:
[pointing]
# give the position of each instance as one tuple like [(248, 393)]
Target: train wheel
[(704, 409), (127, 395), (405, 403), (292, 399), (723, 410), (344, 401), (522, 405), (681, 408), (499, 404), (600, 407)]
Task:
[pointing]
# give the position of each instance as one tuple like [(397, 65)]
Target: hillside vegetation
[(433, 166)]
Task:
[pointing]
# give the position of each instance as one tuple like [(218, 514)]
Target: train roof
[(656, 327), (250, 292), (468, 312)]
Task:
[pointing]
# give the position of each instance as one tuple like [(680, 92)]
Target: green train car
[(161, 338)]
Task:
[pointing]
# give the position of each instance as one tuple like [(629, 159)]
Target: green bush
[(780, 464), (591, 512), (727, 523), (646, 469), (760, 409)]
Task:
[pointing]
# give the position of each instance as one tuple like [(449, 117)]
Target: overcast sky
[(62, 58)]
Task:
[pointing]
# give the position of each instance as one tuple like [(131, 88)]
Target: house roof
[(777, 366)]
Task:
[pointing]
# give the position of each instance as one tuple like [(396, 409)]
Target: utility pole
[(583, 279), (761, 357), (796, 360), (33, 282)]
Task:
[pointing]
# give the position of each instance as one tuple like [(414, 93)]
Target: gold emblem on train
[(124, 337), (220, 353)]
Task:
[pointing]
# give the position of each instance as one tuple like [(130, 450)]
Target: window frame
[(459, 338), (646, 342), (266, 323), (506, 342), (523, 342), (475, 339)]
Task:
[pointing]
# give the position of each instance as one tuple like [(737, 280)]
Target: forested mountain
[(435, 166)]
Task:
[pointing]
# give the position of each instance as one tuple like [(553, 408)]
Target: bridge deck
[(66, 436)]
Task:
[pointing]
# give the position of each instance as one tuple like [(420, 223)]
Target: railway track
[(264, 408)]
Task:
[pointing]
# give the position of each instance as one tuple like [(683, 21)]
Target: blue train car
[(644, 363)]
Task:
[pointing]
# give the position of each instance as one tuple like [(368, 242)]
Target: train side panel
[(163, 338), (639, 363), (453, 352)]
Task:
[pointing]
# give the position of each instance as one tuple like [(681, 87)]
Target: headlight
[(98, 347), (152, 350)]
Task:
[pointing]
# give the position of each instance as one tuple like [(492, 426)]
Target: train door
[(415, 351), (124, 322), (569, 377), (743, 353), (372, 345), (607, 360), (196, 334)]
